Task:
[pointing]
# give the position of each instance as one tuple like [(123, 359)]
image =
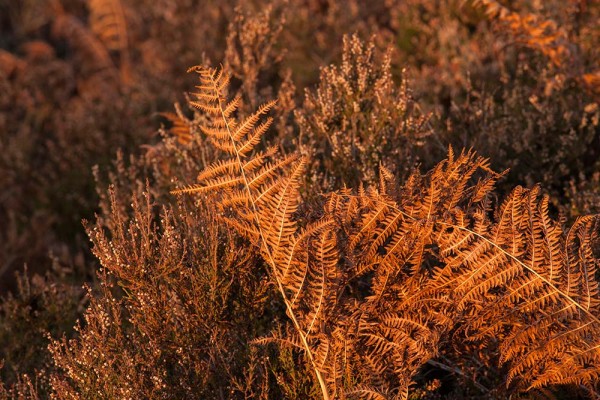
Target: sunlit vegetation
[(338, 199)]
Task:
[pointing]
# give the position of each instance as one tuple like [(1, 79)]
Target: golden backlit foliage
[(431, 258), (392, 199)]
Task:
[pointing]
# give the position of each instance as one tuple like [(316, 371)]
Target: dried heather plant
[(177, 302), (358, 118)]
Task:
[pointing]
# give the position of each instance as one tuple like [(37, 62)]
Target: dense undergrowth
[(412, 218)]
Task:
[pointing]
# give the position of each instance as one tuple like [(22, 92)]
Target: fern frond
[(368, 393), (180, 129), (189, 189), (384, 277), (255, 137), (291, 341), (262, 192), (108, 22), (248, 124), (532, 287)]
